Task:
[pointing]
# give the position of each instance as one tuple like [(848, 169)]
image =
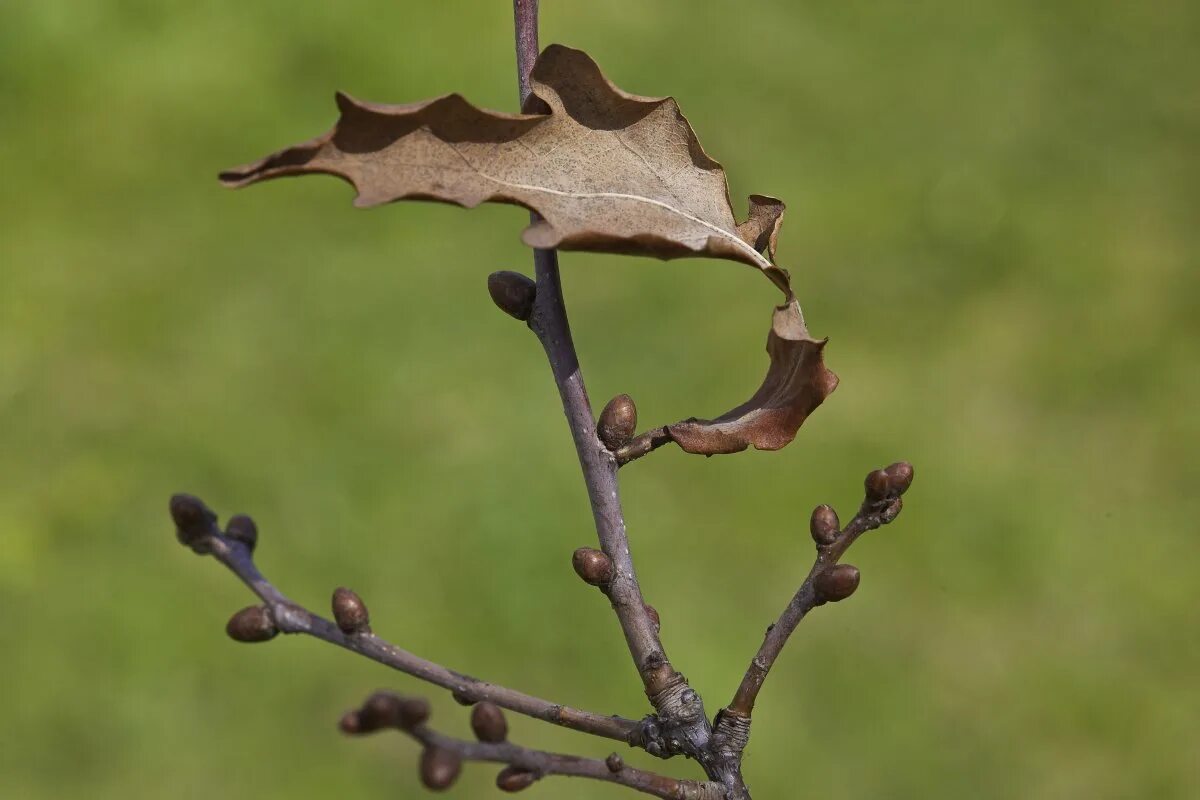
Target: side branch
[(197, 528), (827, 581), (442, 756)]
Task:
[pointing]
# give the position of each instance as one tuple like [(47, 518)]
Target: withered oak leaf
[(606, 170)]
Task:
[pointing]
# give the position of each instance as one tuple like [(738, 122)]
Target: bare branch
[(825, 582), (197, 527), (666, 688), (443, 755)]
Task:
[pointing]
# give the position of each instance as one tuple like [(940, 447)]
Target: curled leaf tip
[(797, 381)]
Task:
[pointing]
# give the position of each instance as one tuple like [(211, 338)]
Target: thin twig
[(290, 617), (875, 511), (543, 763)]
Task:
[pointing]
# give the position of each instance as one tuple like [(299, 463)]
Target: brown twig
[(197, 528), (674, 701), (825, 582), (443, 755)]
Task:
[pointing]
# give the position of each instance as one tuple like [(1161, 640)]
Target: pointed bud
[(824, 525), (592, 565), (618, 422), (836, 583), (350, 612), (877, 485), (195, 523), (514, 779), (487, 720), (242, 529), (652, 612), (900, 475), (439, 768), (614, 762), (513, 293), (251, 624)]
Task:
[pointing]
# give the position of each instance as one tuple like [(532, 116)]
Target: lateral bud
[(514, 779), (251, 624), (592, 565), (439, 768), (652, 612), (618, 422), (614, 762), (462, 699), (349, 612), (513, 293), (241, 528), (836, 583), (900, 476), (488, 722), (824, 525), (878, 485), (195, 523)]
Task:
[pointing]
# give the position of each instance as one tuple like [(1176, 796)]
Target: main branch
[(666, 688)]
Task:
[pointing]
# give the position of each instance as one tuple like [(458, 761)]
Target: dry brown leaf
[(797, 382), (607, 170)]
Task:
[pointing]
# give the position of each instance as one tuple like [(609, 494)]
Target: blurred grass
[(993, 213)]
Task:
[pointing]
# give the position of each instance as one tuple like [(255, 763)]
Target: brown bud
[(462, 699), (242, 529), (877, 485), (618, 422), (513, 293), (487, 720), (195, 523), (824, 525), (652, 612), (614, 762), (381, 710), (251, 624), (350, 723), (836, 583), (901, 476), (439, 768), (350, 612), (592, 565), (514, 779), (413, 712)]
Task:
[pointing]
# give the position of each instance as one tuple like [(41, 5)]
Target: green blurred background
[(993, 215)]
